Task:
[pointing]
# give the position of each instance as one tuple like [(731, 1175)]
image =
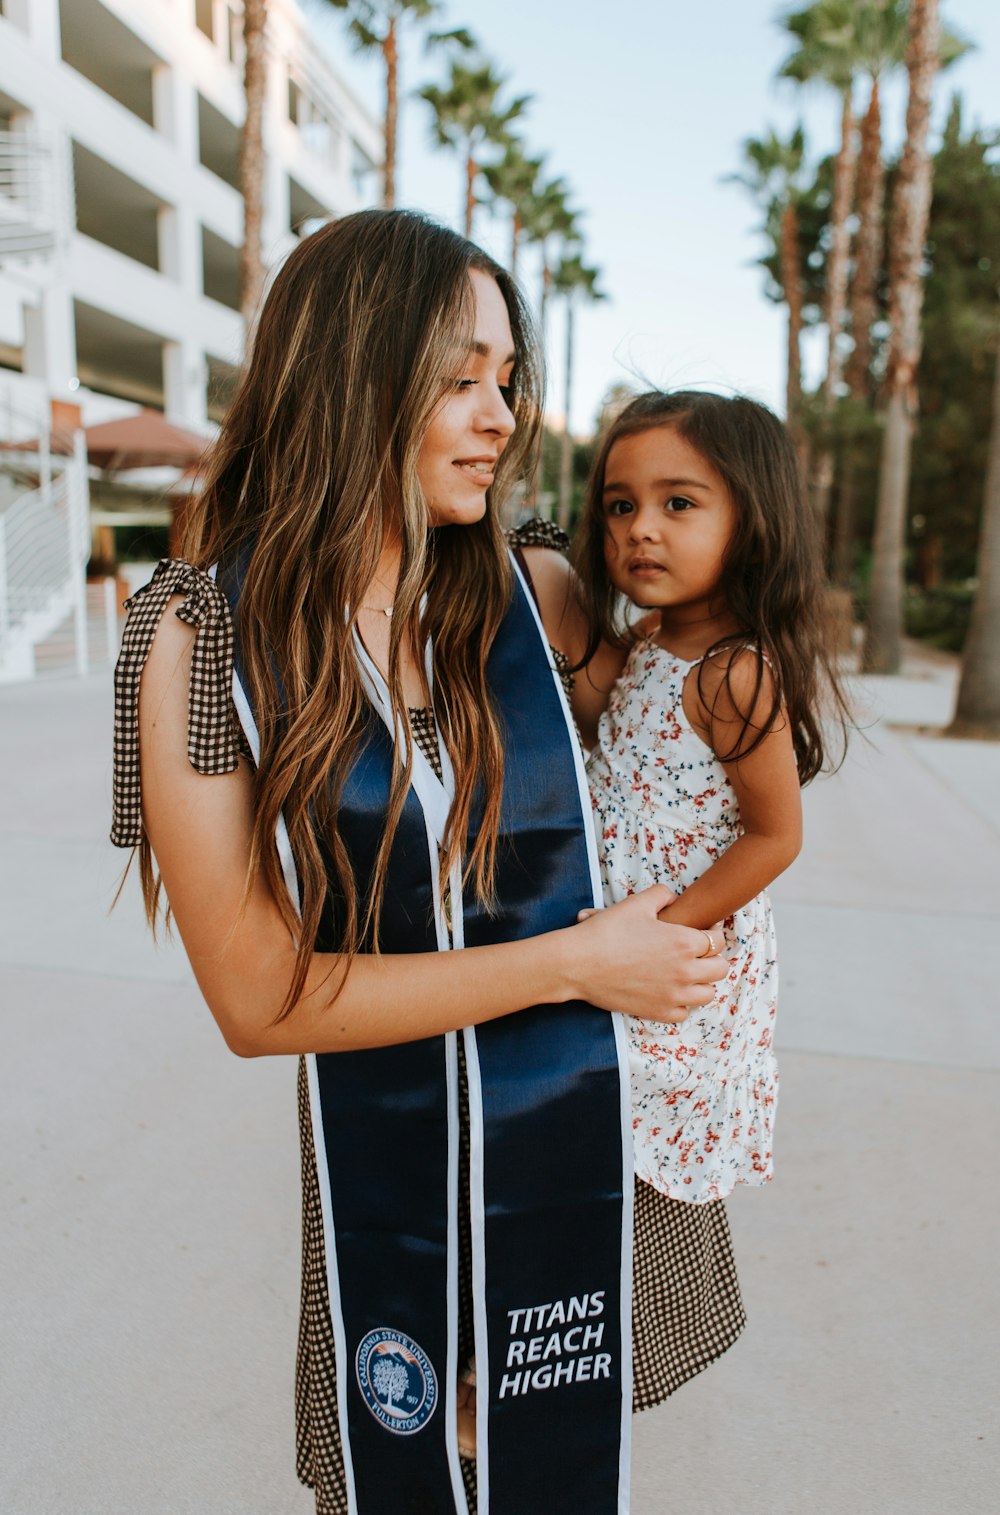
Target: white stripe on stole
[(621, 1047), (435, 796)]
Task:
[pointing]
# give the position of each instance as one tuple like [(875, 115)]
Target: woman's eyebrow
[(484, 350)]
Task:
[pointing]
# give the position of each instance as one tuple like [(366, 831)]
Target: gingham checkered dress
[(686, 1304)]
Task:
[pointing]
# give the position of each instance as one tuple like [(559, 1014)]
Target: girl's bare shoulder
[(735, 687)]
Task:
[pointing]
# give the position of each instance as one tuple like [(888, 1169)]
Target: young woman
[(346, 745)]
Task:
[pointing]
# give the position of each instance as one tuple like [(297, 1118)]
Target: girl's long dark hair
[(772, 576)]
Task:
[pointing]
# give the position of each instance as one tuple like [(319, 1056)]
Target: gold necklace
[(385, 610)]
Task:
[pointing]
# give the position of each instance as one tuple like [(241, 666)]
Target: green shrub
[(939, 616)]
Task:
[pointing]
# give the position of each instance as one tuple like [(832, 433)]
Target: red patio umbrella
[(146, 440)]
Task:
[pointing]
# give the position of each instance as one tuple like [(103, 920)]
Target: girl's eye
[(618, 507), (465, 383), (678, 502)]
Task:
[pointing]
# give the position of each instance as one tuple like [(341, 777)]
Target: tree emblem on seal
[(396, 1380)]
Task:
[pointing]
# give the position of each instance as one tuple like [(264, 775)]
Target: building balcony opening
[(221, 266), (115, 210), (105, 51), (11, 353), (221, 23), (113, 357), (16, 12), (223, 378), (319, 133), (218, 143), (362, 169), (305, 212), (204, 19)]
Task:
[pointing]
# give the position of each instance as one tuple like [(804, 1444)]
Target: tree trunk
[(978, 709), (867, 262), (471, 170), (566, 451), (515, 238), (867, 247), (836, 301), (789, 253), (390, 52), (543, 303), (884, 632), (535, 486), (910, 214), (251, 165)]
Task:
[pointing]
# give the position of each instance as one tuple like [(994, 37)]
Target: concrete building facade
[(120, 229), (130, 110)]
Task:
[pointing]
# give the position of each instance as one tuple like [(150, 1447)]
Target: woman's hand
[(627, 960), (243, 955)]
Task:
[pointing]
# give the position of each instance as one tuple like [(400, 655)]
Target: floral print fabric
[(703, 1092)]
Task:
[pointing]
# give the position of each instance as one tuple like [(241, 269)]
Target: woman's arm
[(566, 628), (200, 829), (766, 783)]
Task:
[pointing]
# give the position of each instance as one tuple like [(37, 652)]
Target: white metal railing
[(35, 196), (44, 546)]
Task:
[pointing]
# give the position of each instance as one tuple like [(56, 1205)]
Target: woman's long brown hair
[(365, 327), (772, 574)]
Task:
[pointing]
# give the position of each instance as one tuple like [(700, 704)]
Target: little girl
[(695, 513)]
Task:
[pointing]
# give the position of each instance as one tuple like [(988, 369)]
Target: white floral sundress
[(703, 1092)]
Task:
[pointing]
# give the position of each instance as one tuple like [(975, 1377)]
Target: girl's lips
[(645, 566)]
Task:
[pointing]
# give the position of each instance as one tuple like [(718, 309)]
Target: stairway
[(57, 654), (44, 547)]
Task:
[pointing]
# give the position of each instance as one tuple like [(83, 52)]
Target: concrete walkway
[(150, 1179)]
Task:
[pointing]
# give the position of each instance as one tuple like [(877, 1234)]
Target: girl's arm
[(200, 830), (566, 628), (766, 783)]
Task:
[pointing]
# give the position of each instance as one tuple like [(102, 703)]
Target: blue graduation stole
[(551, 1155)]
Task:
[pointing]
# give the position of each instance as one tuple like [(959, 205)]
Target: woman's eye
[(618, 507), (679, 502), (465, 383)]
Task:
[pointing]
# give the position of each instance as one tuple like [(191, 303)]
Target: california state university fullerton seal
[(396, 1380)]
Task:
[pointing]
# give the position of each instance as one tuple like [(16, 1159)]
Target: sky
[(642, 106)]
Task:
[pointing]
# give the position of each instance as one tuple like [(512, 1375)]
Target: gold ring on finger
[(711, 948)]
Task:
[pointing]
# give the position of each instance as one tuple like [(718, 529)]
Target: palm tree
[(978, 709), (546, 215), (512, 179), (251, 163), (374, 25), (824, 32), (879, 42), (773, 175), (467, 115), (910, 215), (868, 249), (571, 278)]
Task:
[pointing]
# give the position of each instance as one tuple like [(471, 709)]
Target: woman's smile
[(472, 424), (480, 470)]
